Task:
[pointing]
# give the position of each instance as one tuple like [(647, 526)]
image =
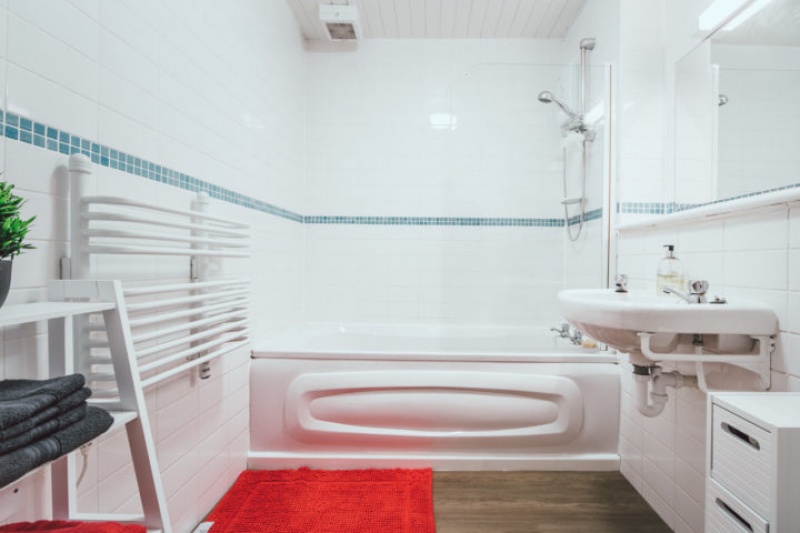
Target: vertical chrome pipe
[(586, 46)]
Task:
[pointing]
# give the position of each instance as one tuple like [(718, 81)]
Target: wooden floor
[(540, 502)]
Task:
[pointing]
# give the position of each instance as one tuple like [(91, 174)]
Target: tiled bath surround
[(410, 128)]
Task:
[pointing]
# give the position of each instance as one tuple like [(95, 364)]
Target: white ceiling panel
[(448, 19)]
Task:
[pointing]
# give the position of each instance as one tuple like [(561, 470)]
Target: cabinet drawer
[(725, 513), (742, 459)]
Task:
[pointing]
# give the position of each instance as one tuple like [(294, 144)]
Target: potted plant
[(13, 230)]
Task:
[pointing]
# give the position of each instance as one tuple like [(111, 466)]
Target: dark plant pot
[(5, 279)]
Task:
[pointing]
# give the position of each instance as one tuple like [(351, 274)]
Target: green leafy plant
[(13, 229)]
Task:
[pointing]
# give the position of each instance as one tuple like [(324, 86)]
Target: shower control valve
[(621, 282), (566, 332)]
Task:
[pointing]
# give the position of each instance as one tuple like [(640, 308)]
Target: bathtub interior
[(432, 340), (358, 396)]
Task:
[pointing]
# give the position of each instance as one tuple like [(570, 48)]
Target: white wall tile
[(42, 100), (126, 98), (764, 231), (35, 50), (128, 62), (792, 322), (61, 20), (130, 27), (794, 225), (105, 73), (4, 28), (90, 7), (756, 269)]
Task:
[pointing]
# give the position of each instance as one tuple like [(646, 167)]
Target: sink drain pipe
[(651, 387)]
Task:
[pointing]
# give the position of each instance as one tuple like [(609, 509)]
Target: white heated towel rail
[(175, 326)]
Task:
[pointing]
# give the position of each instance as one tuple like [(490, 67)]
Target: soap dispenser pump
[(670, 272)]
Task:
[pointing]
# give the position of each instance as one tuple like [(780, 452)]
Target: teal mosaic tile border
[(17, 128), (47, 137), (652, 208), (436, 221), (665, 208), (594, 214)]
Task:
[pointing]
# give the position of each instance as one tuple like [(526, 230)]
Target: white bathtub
[(449, 397)]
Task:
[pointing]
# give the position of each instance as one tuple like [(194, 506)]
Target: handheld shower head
[(546, 97), (574, 122)]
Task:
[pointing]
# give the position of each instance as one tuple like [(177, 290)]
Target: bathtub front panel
[(412, 409), (432, 409)]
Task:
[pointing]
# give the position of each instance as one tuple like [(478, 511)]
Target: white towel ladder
[(129, 409)]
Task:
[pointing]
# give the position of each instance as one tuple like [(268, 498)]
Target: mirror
[(737, 107)]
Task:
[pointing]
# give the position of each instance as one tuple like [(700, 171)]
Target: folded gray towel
[(23, 398), (12, 389), (16, 464), (75, 399), (44, 429)]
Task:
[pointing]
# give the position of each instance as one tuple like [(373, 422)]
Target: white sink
[(617, 318)]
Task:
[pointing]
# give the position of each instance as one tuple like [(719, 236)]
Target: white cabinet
[(753, 466)]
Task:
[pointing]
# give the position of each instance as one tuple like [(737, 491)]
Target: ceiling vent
[(341, 22)]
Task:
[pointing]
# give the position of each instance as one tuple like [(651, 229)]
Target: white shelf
[(120, 419), (34, 312), (61, 351)]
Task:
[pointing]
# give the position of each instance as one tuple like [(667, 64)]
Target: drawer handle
[(733, 514), (741, 435)]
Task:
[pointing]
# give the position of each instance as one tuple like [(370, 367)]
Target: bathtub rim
[(548, 357), (283, 346)]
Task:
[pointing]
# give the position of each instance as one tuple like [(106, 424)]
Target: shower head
[(547, 97)]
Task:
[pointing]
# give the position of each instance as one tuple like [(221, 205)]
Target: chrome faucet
[(697, 292), (566, 333), (621, 282)]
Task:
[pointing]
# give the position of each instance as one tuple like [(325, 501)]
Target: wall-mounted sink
[(653, 329), (617, 319)]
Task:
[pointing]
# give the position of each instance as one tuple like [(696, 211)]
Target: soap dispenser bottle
[(670, 272)]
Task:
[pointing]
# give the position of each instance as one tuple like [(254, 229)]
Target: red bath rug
[(327, 501)]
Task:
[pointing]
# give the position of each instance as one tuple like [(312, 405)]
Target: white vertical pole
[(80, 168), (64, 483), (200, 263)]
